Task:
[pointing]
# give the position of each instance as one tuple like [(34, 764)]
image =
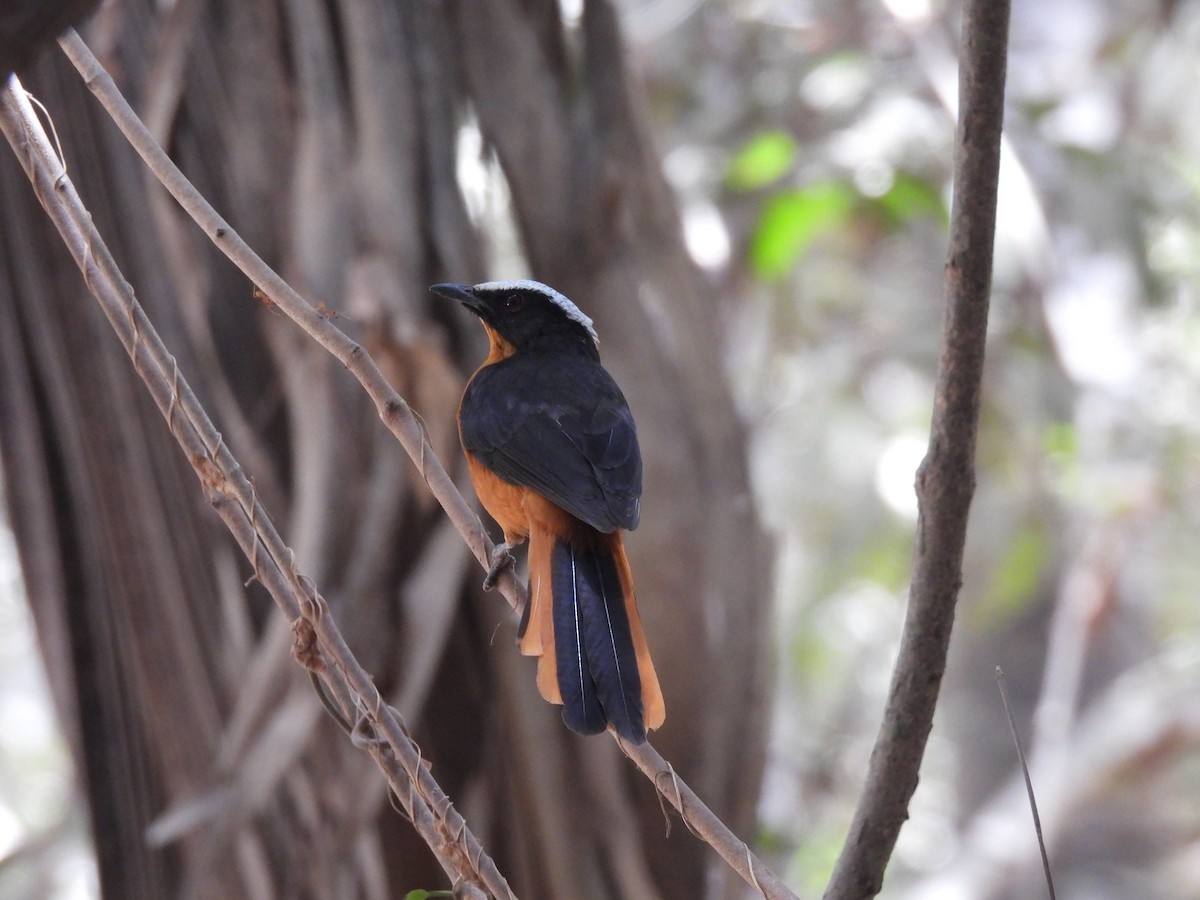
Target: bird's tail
[(582, 620)]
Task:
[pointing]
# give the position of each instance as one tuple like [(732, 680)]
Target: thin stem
[(233, 497), (705, 824), (392, 408), (1037, 820), (407, 428), (946, 478)]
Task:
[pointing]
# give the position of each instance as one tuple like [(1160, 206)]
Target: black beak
[(460, 292)]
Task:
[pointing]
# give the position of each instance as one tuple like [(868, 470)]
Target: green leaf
[(911, 198), (1017, 576), (791, 220), (420, 894), (763, 160), (812, 656), (886, 560), (1060, 442), (816, 857)]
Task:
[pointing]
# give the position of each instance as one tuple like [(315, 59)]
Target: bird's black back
[(556, 422)]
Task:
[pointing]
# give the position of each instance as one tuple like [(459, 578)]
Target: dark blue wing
[(561, 427)]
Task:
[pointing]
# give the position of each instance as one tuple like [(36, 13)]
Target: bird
[(552, 451)]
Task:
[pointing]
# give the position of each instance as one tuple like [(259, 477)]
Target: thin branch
[(946, 478), (233, 497), (407, 428), (392, 408), (705, 824), (1033, 808)]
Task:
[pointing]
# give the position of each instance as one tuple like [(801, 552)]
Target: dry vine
[(407, 428), (945, 483), (377, 726)]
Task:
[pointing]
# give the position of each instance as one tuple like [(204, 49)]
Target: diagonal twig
[(946, 477), (705, 824), (234, 498), (392, 408), (1033, 808), (404, 424)]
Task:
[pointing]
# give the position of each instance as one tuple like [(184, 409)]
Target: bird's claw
[(502, 558)]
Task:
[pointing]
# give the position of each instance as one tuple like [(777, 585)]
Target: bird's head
[(525, 314)]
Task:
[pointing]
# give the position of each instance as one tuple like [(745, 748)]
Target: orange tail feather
[(584, 581)]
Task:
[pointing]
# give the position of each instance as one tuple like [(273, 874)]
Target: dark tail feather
[(597, 665)]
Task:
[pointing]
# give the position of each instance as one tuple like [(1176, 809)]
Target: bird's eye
[(513, 302)]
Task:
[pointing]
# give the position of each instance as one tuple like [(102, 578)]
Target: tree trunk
[(326, 132)]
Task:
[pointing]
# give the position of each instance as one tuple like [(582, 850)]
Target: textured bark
[(946, 477), (334, 154)]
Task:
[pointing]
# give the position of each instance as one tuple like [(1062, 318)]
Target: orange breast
[(503, 501)]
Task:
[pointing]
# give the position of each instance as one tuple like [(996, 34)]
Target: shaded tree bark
[(946, 478), (334, 154)]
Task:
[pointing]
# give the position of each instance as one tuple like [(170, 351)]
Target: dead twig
[(1037, 820), (392, 408), (403, 423), (946, 478), (233, 496), (705, 824)]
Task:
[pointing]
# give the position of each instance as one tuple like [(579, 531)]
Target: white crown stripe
[(562, 302)]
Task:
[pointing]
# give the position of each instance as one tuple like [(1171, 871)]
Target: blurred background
[(805, 148)]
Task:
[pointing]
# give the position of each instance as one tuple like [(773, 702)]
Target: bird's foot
[(502, 558)]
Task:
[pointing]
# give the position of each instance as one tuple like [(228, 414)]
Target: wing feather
[(561, 427)]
